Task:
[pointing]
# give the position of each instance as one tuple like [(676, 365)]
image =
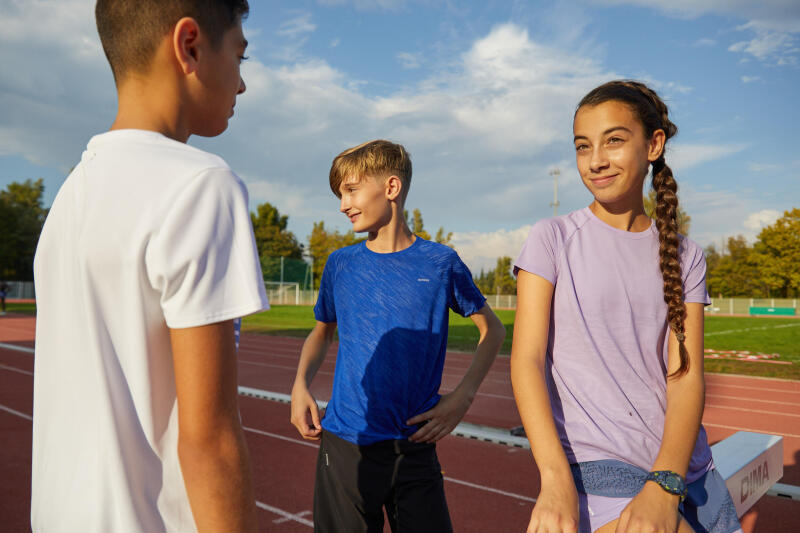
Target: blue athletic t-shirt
[(392, 313)]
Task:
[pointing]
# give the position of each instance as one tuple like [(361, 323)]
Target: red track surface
[(489, 486)]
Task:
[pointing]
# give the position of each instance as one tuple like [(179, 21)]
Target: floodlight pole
[(555, 173)]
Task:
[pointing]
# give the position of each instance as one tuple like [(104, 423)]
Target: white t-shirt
[(146, 234)]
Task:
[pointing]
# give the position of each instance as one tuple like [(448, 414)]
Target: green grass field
[(754, 334), (25, 309)]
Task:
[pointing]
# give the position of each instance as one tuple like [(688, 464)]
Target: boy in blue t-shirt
[(390, 298)]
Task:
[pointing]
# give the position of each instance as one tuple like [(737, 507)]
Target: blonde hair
[(375, 159)]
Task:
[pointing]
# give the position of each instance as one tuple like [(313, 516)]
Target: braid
[(654, 115), (669, 244)]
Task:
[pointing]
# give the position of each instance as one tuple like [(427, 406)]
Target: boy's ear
[(185, 40), (394, 187)]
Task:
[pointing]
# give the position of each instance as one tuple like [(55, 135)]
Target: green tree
[(504, 282), (735, 274), (21, 218), (485, 281), (684, 220), (322, 243), (273, 240), (418, 228), (777, 254), (499, 280)]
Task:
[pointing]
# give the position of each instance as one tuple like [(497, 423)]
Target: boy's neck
[(155, 100), (393, 237), (144, 105)]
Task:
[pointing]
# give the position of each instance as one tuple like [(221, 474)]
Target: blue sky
[(481, 93)]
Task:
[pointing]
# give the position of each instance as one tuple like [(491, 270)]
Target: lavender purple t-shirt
[(607, 348)]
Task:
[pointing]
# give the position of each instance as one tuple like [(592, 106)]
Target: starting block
[(750, 463)]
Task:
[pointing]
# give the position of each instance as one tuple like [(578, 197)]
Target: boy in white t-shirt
[(146, 258)]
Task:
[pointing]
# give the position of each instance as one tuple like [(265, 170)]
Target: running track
[(490, 487)]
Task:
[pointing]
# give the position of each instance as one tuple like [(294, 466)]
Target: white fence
[(290, 294), (20, 290), (719, 306), (741, 306)]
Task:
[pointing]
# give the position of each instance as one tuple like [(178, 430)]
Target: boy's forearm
[(485, 354), (217, 474), (312, 355)]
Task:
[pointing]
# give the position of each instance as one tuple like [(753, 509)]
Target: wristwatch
[(670, 481)]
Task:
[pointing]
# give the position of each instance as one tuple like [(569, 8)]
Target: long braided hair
[(652, 112)]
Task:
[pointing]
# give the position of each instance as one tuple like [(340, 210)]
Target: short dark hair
[(131, 30)]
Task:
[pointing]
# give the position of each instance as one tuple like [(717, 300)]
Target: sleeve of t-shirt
[(538, 254), (204, 260), (325, 308), (465, 297), (694, 274)]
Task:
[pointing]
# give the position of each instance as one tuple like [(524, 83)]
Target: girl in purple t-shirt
[(607, 360)]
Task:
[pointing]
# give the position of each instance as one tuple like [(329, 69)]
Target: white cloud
[(480, 250), (761, 219), (705, 42), (683, 156), (780, 15), (367, 5), (763, 167), (483, 136), (297, 26), (779, 47), (719, 213), (408, 60), (750, 79)]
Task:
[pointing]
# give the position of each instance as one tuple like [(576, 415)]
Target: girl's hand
[(556, 510), (653, 510)]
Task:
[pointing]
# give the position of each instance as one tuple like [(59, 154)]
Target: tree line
[(274, 240), (770, 267)]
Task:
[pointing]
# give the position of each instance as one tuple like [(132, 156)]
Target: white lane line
[(447, 478), (13, 369), (727, 397), (16, 348), (281, 437), (14, 412), (713, 386), (745, 409), (300, 515), (285, 514), (490, 489), (723, 426), (725, 332)]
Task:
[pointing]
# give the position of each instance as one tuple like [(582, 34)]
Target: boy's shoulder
[(150, 148), (346, 252), (438, 252)]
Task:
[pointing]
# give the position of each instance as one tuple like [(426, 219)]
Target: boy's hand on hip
[(442, 419), (305, 413)]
